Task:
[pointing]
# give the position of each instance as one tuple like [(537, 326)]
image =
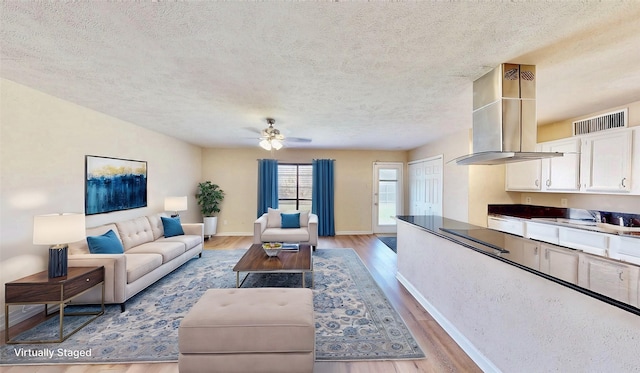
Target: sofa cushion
[(81, 247), (290, 220), (168, 249), (135, 232), (139, 265), (107, 243), (172, 226), (189, 240), (273, 218), (155, 220), (285, 235)]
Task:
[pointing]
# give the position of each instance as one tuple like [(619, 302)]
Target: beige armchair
[(270, 228)]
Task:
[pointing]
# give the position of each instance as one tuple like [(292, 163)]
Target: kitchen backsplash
[(531, 211)]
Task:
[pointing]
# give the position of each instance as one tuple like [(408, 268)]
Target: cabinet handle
[(537, 183), (622, 182), (535, 252), (620, 275), (546, 254), (88, 280), (548, 182)]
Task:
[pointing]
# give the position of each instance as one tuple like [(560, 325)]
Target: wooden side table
[(40, 289)]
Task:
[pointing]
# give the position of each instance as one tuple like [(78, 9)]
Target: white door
[(425, 186), (387, 196)]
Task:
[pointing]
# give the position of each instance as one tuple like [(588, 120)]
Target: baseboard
[(482, 361), (354, 233)]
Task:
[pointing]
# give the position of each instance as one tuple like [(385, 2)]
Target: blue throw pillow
[(172, 226), (290, 220), (108, 243)]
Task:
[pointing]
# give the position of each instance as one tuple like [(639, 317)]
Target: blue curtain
[(322, 196), (267, 185)]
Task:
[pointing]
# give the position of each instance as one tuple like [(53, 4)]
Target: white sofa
[(268, 228), (148, 256)]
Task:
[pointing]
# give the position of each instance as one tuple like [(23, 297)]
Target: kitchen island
[(506, 315)]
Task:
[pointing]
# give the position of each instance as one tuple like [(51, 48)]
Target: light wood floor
[(443, 354)]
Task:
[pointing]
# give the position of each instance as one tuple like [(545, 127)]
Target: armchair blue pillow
[(290, 220), (107, 243), (172, 226)]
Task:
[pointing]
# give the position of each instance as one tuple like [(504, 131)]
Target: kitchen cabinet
[(507, 225), (523, 176), (625, 248), (523, 251), (613, 279), (591, 242), (542, 232), (558, 174), (605, 163), (559, 262), (561, 174)]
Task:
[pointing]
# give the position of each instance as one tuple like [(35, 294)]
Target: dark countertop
[(495, 244)]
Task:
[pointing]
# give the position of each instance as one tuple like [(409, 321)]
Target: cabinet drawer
[(542, 232), (625, 248), (513, 226), (79, 284), (589, 242)]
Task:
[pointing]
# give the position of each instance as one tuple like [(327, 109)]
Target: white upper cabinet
[(606, 162), (523, 176), (561, 174)]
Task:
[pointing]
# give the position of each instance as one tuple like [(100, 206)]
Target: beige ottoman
[(249, 330)]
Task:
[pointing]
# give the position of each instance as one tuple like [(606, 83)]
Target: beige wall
[(44, 141), (236, 171)]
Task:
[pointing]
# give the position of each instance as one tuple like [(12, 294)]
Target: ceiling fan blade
[(297, 139), (254, 130)]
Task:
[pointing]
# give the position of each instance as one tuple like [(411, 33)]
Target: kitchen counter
[(588, 225), (497, 245), (507, 316)]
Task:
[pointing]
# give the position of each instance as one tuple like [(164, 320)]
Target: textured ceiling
[(347, 75)]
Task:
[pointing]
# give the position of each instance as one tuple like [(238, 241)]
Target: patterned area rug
[(354, 319)]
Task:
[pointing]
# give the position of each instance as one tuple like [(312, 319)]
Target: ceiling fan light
[(277, 145), (266, 144)]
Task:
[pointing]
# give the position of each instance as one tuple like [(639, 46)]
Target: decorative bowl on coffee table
[(272, 249)]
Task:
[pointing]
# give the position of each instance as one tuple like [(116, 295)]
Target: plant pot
[(210, 225)]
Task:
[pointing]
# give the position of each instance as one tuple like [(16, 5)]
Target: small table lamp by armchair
[(175, 204), (58, 230)]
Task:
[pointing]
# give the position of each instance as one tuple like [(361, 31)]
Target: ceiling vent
[(616, 119)]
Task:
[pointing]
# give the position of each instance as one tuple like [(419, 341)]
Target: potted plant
[(209, 196)]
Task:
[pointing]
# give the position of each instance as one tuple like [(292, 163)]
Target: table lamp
[(58, 230), (175, 204)]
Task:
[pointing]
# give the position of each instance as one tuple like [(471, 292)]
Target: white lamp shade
[(277, 145), (265, 144), (55, 229), (175, 203)]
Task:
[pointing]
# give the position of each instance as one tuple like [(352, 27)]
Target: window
[(294, 186)]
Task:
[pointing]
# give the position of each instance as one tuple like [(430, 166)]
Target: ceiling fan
[(272, 139)]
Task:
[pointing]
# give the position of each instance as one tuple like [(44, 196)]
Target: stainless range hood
[(504, 117)]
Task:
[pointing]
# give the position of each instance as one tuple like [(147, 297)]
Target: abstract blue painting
[(114, 184)]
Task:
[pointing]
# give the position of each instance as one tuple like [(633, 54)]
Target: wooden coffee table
[(255, 260)]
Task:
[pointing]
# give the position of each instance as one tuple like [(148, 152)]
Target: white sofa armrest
[(258, 227), (196, 229), (115, 273), (313, 229)]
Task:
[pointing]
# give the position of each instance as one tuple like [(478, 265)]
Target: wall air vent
[(616, 119)]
